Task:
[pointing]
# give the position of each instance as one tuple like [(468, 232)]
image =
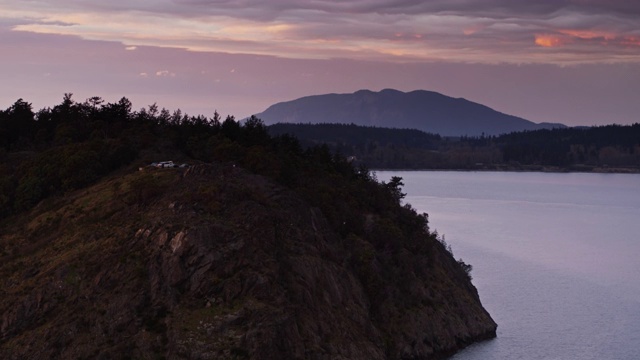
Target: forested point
[(260, 248), (610, 148), (74, 144), (54, 150)]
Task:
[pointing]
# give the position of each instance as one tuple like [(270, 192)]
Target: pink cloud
[(488, 31), (280, 50)]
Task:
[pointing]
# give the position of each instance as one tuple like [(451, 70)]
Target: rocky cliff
[(214, 262)]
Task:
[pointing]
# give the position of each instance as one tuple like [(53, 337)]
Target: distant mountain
[(423, 110)]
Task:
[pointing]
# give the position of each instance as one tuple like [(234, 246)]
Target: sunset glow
[(285, 33), (120, 43), (549, 41), (590, 34)]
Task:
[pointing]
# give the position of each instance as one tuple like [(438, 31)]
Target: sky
[(575, 62)]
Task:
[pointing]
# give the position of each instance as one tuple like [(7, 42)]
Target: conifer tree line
[(52, 151), (71, 145), (579, 149)]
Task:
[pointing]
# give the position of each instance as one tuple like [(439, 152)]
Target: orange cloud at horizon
[(589, 34), (567, 36), (602, 37), (549, 40)]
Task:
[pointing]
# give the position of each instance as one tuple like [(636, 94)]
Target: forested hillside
[(260, 248), (55, 150), (603, 148)]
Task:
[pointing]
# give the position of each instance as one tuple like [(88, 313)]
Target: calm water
[(556, 257)]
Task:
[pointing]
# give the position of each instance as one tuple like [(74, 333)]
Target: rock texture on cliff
[(214, 262)]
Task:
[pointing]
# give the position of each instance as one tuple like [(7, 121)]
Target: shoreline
[(533, 168)]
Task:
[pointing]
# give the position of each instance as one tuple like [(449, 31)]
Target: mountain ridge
[(424, 110)]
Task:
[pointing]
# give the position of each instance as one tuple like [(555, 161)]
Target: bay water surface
[(555, 256)]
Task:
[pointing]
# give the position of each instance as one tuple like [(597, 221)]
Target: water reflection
[(555, 257)]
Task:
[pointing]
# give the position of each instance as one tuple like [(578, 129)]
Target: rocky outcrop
[(223, 264)]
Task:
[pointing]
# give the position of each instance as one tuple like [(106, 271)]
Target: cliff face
[(213, 262)]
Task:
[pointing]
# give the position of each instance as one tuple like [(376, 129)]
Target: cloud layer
[(475, 31), (238, 57)]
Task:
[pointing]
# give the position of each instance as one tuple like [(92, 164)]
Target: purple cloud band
[(516, 31)]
